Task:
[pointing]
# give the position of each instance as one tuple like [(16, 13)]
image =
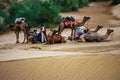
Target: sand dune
[(80, 67)]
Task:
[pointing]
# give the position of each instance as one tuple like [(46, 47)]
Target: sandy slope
[(101, 63), (116, 11), (80, 67)]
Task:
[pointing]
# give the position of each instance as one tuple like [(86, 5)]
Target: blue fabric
[(35, 37), (79, 31), (41, 37)]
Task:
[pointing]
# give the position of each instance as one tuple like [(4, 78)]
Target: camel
[(55, 38), (95, 37), (31, 36), (17, 27), (72, 26), (89, 32)]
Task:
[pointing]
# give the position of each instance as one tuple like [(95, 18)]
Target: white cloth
[(82, 37), (43, 38), (83, 28), (21, 19), (42, 28), (79, 31)]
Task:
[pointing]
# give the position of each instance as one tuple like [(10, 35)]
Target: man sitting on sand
[(41, 35), (81, 30)]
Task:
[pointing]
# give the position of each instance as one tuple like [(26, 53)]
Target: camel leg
[(63, 40), (82, 37), (61, 28), (17, 36), (74, 33), (25, 36), (71, 34), (52, 40)]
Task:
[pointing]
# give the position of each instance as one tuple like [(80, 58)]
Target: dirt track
[(101, 63)]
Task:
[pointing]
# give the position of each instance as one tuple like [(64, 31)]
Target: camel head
[(63, 19), (53, 31), (109, 31), (100, 26), (85, 19), (11, 26)]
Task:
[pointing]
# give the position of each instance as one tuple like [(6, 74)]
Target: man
[(42, 34), (80, 31)]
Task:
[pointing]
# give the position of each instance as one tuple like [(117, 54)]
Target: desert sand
[(79, 67), (70, 61)]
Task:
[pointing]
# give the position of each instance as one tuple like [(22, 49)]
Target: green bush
[(114, 2), (94, 0), (3, 28), (69, 5), (1, 6), (48, 12), (83, 3), (38, 11), (3, 21), (35, 13)]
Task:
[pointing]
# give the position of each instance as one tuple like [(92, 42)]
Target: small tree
[(114, 2), (35, 13)]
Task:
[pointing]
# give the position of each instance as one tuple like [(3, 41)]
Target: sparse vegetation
[(70, 5), (35, 13), (115, 2)]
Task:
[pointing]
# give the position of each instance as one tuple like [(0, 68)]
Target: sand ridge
[(79, 67)]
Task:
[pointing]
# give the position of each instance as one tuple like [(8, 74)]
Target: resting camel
[(31, 36), (89, 32), (95, 37), (72, 26), (55, 38), (17, 27)]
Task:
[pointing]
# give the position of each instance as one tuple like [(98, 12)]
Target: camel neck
[(97, 29), (107, 35), (84, 21)]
